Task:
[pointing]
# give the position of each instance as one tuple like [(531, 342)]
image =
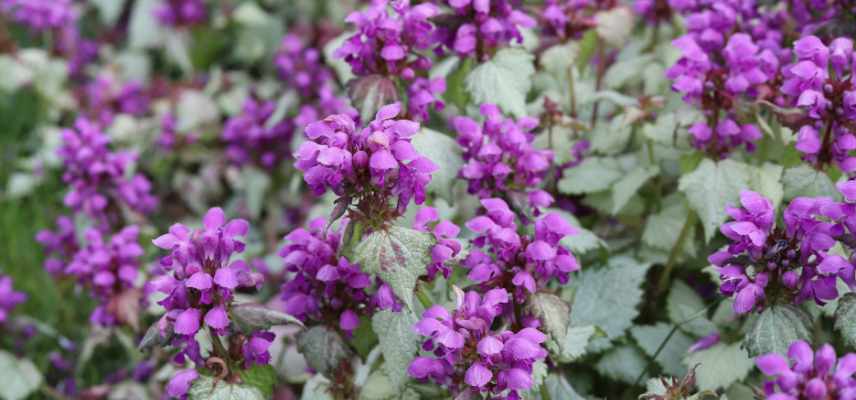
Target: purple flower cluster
[(569, 19), (9, 298), (109, 269), (60, 243), (170, 138), (467, 356), (324, 284), (807, 374), (501, 257), (104, 97), (98, 178), (301, 67), (77, 50), (200, 282), (730, 53), (500, 157), (479, 27), (389, 44), (371, 164), (39, 15), (766, 263), (444, 233), (251, 137), (821, 82), (181, 12)]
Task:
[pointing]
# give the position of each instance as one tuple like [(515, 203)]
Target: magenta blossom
[(807, 374)]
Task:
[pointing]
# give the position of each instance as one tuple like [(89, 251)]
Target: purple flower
[(60, 243), (499, 154), (199, 279), (464, 349), (447, 246), (8, 298), (820, 81), (323, 284), (181, 12), (97, 177), (792, 260), (39, 15), (180, 383), (500, 254), (807, 374), (252, 137), (373, 164), (480, 27)]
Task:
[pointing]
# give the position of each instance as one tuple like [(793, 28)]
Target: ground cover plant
[(427, 199)]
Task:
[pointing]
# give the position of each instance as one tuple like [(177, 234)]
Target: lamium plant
[(426, 200)]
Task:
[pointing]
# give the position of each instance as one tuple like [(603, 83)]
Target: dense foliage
[(427, 199)]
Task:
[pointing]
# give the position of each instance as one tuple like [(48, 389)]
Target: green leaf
[(594, 174), (455, 84), (804, 180), (194, 110), (262, 377), (379, 387), (398, 255), (595, 301), (557, 59), (663, 229), (143, 29), (255, 184), (446, 154), (845, 318), (554, 314), (615, 25), (628, 185), (558, 388), (323, 348), (719, 366), (685, 306), (611, 138), (623, 363), (711, 187), (316, 388), (651, 337), (19, 378), (574, 344), (588, 45), (398, 342), (504, 80), (766, 179), (776, 328), (251, 317), (208, 388)]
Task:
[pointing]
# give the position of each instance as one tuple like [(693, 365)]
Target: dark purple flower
[(39, 15), (254, 136), (807, 374), (181, 12), (9, 298)]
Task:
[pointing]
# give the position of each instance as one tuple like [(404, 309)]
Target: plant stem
[(673, 254)]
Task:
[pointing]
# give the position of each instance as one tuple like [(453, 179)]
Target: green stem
[(676, 250), (353, 235), (545, 394), (423, 296)]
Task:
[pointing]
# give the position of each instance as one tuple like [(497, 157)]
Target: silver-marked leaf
[(804, 180), (317, 388), (398, 256), (208, 388), (615, 25), (554, 314), (596, 300), (663, 229), (776, 328), (629, 184), (686, 307), (379, 387), (623, 363), (504, 80), (712, 186), (574, 344), (845, 318), (581, 242), (323, 348), (446, 154), (19, 377), (719, 366), (559, 388), (767, 180), (398, 343), (252, 317), (649, 339), (594, 174)]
